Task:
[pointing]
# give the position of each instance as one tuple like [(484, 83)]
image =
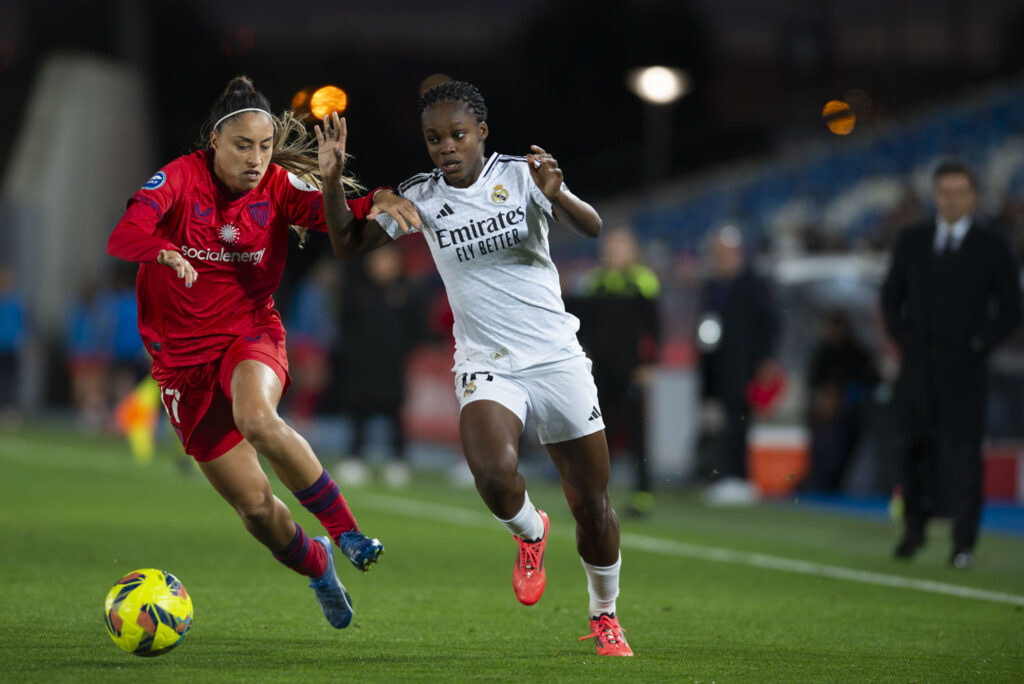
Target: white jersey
[(490, 244)]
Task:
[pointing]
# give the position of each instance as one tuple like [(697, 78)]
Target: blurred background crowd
[(738, 185)]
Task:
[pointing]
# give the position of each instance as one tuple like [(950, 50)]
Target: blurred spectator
[(381, 324), (311, 335), (1011, 217), (951, 296), (908, 212), (736, 335), (88, 338), (620, 329), (12, 337), (841, 377), (129, 362)]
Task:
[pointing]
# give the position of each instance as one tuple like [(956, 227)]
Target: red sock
[(303, 555), (323, 500)]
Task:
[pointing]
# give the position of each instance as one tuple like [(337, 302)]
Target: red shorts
[(198, 398)]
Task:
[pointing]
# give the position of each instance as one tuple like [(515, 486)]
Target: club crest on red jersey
[(228, 233), (260, 212)]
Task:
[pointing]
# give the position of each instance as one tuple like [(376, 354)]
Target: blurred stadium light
[(658, 84), (300, 101), (327, 100), (658, 87)]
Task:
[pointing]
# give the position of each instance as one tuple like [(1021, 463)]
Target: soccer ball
[(148, 612)]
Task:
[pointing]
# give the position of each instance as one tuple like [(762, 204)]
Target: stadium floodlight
[(300, 100), (328, 99), (659, 85)]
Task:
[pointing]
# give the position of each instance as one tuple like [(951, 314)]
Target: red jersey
[(237, 244)]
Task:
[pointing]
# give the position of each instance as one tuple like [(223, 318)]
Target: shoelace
[(529, 556), (607, 627)]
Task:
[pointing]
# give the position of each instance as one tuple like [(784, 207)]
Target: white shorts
[(560, 396)]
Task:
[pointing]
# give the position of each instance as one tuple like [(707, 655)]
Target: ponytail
[(294, 150)]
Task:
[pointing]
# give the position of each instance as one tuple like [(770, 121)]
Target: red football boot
[(528, 575), (607, 634)]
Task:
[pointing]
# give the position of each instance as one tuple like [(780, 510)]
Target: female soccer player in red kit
[(210, 232)]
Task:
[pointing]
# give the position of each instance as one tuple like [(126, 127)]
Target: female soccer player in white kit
[(486, 222)]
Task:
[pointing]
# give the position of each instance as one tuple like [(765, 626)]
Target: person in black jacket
[(381, 323), (951, 295), (841, 376), (736, 335), (620, 328)]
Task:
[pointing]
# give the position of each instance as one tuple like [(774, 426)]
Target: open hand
[(181, 266), (331, 151)]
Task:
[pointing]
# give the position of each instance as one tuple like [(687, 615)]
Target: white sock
[(526, 524), (603, 586)]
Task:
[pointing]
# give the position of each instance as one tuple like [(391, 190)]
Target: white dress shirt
[(953, 234)]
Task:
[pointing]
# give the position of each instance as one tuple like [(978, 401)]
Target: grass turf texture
[(77, 513)]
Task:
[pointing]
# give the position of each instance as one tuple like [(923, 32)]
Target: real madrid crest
[(470, 388), (499, 195)]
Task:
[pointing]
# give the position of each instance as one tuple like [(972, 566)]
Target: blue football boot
[(361, 550), (335, 601)]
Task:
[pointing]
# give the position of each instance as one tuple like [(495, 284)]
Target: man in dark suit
[(737, 331), (952, 294)]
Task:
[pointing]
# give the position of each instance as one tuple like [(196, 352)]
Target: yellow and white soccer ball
[(148, 612)]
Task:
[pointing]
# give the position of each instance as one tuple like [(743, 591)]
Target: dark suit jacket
[(750, 327), (947, 313)]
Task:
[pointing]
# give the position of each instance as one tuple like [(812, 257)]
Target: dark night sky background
[(552, 72)]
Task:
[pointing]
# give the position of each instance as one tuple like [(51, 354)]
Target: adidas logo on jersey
[(445, 211)]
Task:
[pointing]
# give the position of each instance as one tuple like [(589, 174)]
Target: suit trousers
[(943, 477)]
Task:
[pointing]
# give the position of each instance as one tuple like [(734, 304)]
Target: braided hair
[(456, 91)]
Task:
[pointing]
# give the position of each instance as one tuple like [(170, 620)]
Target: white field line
[(461, 516), (20, 450)]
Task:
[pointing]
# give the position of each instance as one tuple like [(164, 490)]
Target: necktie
[(947, 245), (944, 257)]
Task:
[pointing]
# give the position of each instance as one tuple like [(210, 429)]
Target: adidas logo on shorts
[(594, 414)]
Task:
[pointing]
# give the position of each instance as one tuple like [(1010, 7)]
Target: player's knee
[(256, 509), (592, 509), (494, 484), (258, 427)]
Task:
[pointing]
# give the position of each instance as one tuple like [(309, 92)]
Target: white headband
[(239, 111)]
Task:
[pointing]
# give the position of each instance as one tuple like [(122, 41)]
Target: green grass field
[(708, 595)]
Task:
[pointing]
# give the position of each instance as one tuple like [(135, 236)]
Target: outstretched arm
[(568, 209), (349, 236)]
